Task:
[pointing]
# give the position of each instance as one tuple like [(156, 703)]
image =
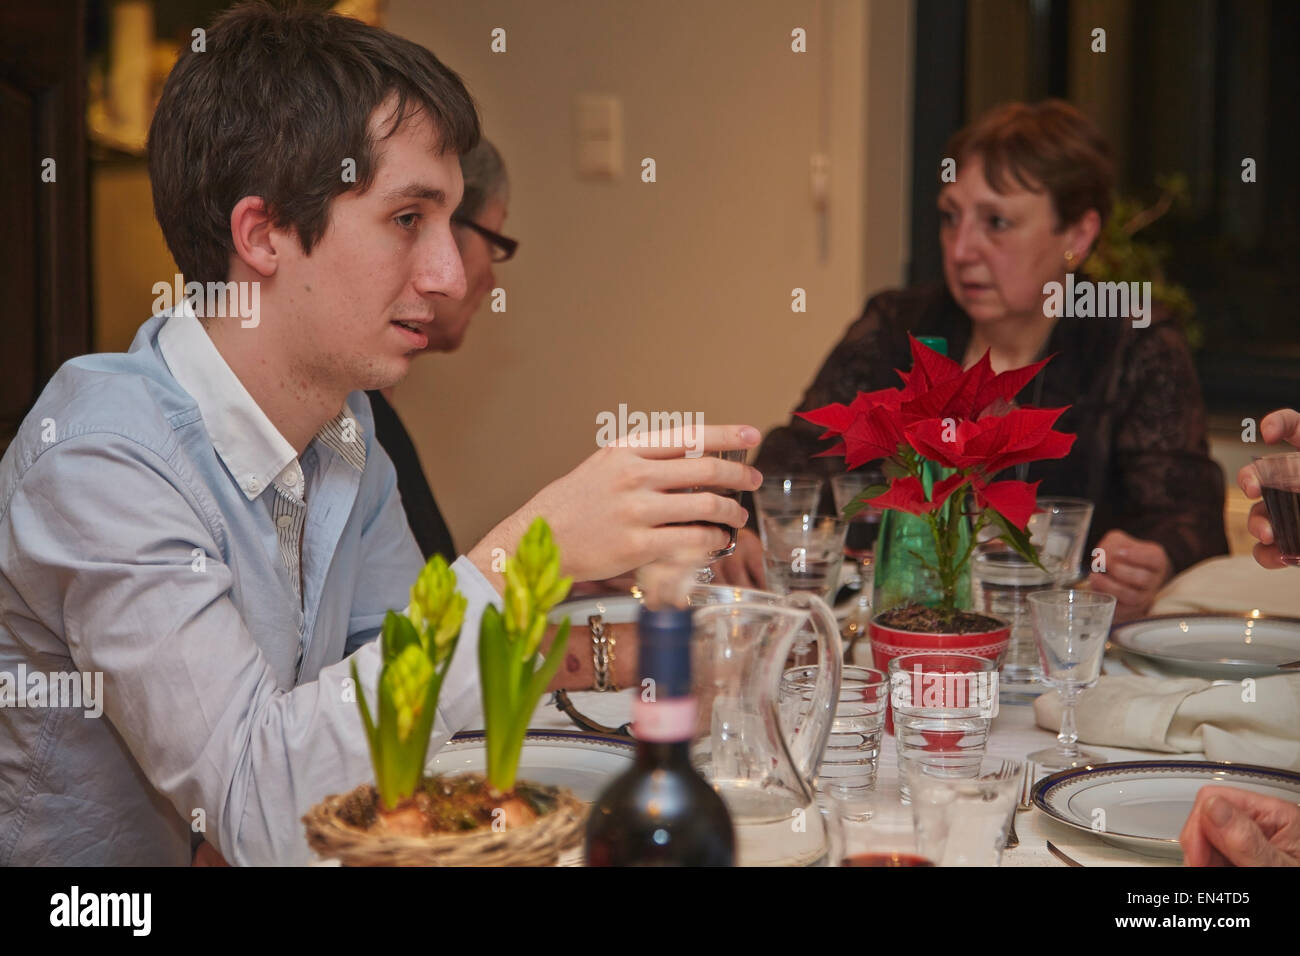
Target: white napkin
[(1248, 722), (1236, 585)]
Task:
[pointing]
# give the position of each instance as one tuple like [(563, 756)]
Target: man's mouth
[(417, 337)]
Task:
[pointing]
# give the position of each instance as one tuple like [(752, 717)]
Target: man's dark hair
[(273, 106)]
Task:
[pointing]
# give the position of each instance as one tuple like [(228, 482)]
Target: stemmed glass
[(860, 544), (1071, 628), (704, 575)]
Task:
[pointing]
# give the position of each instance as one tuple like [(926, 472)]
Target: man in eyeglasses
[(476, 226)]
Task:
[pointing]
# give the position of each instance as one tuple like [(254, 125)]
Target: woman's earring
[(1069, 259)]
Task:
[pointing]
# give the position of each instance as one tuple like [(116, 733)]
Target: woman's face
[(451, 318), (999, 250)]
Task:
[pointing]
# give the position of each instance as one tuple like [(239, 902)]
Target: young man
[(206, 523)]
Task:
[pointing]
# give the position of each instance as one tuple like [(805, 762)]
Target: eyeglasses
[(502, 247)]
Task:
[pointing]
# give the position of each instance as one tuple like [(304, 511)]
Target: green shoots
[(417, 650), (508, 650)]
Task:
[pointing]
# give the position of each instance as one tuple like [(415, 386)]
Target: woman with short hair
[(1031, 193)]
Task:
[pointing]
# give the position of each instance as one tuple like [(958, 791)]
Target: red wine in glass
[(885, 859), (1284, 515), (864, 528)]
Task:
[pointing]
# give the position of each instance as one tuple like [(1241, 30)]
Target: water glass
[(787, 495), (943, 704), (1071, 627), (1060, 532), (1005, 580), (885, 835), (848, 768), (803, 552), (964, 821)]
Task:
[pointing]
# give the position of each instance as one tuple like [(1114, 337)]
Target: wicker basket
[(539, 843)]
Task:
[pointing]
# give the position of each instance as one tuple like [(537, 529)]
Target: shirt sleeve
[(108, 543)]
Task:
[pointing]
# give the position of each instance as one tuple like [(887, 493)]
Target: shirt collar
[(251, 447)]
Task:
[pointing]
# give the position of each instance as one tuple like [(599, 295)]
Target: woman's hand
[(1231, 827), (1135, 571), (1282, 425)]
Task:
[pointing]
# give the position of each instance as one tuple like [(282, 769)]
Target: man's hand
[(743, 568), (615, 511), (1231, 827), (1282, 425), (1135, 571)]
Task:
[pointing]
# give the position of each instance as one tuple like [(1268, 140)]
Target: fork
[(1027, 788), (1013, 839)]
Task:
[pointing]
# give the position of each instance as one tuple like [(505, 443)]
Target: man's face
[(387, 255), (999, 249), (448, 329)]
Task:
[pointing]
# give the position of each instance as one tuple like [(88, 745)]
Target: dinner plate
[(585, 763), (1213, 645), (1142, 804)]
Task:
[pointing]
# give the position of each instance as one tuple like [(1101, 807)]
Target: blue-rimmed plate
[(1213, 645), (584, 763), (1142, 804)]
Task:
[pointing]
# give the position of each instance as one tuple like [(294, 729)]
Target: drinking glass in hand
[(1071, 629), (704, 575), (1279, 480), (803, 552)]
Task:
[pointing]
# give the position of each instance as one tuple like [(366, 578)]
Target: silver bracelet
[(602, 653)]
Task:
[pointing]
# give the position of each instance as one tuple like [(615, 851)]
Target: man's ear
[(255, 236)]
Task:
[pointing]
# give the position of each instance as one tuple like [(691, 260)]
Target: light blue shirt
[(142, 544)]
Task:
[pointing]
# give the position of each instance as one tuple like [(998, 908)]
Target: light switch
[(598, 131)]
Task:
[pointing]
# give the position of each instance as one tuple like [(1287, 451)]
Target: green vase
[(904, 540)]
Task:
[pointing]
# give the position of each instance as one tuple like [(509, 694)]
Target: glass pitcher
[(766, 772)]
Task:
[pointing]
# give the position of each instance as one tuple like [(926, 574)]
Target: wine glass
[(1071, 627), (859, 544)]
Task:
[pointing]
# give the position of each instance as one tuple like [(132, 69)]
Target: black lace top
[(1141, 454)]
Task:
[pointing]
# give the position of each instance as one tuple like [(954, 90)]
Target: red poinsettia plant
[(966, 423)]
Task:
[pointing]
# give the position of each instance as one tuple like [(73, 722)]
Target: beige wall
[(665, 296), (673, 295)]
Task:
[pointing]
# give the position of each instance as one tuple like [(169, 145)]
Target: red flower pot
[(890, 642)]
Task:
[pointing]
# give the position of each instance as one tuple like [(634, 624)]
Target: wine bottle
[(661, 812)]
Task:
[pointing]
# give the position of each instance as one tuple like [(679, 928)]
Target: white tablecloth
[(1013, 735)]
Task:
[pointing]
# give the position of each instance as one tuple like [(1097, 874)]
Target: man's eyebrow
[(416, 191)]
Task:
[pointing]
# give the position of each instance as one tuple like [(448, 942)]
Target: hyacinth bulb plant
[(509, 647), (964, 422), (417, 648)]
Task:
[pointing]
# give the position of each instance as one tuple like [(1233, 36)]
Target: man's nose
[(443, 271)]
